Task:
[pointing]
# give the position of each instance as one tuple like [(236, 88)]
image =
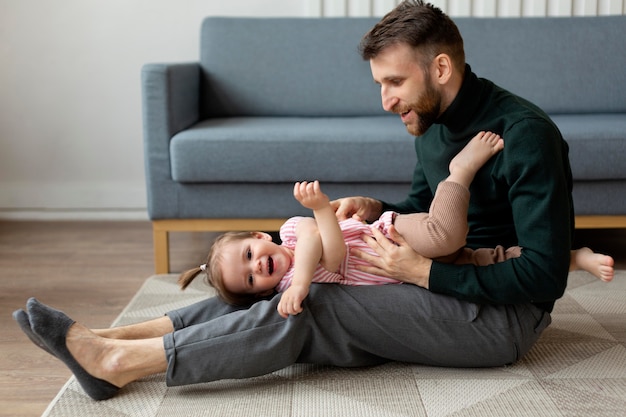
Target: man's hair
[(422, 26)]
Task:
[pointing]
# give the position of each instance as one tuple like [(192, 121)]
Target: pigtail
[(188, 276), (213, 273)]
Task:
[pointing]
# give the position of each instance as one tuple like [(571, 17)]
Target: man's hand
[(291, 300), (363, 209), (396, 260)]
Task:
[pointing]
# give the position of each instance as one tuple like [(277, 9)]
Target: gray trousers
[(346, 326)]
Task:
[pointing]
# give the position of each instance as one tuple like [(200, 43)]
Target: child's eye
[(250, 280), (249, 254)]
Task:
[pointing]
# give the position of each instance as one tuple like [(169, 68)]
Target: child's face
[(254, 265)]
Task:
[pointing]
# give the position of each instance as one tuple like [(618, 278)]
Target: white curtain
[(478, 8)]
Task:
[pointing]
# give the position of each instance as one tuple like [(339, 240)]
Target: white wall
[(70, 107)]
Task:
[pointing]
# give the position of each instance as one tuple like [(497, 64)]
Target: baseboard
[(74, 214), (73, 200)]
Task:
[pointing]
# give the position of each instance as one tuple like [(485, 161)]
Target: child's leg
[(487, 256), (601, 266), (583, 259), (441, 231), (473, 156)]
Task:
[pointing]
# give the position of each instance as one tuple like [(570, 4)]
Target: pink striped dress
[(347, 274)]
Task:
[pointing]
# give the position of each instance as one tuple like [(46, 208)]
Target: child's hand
[(310, 195), (291, 300)]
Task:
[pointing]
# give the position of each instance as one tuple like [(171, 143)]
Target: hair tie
[(203, 267)]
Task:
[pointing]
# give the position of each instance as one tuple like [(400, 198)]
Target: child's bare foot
[(473, 156), (601, 266)]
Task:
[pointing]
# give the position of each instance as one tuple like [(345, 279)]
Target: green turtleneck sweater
[(522, 196)]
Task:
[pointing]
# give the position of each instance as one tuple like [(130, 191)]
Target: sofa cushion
[(240, 149), (286, 149), (597, 145)]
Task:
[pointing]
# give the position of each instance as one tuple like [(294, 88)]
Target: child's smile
[(255, 265)]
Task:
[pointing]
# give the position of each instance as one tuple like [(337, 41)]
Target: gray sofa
[(273, 101)]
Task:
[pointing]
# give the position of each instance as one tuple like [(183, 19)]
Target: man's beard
[(427, 108)]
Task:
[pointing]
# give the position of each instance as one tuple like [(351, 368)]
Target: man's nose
[(388, 100)]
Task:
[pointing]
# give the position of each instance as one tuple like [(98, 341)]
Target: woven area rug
[(578, 368)]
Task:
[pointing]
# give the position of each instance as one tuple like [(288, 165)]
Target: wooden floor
[(91, 270)]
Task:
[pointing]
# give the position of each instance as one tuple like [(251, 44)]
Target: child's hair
[(213, 271)]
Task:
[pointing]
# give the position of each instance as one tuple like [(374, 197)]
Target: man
[(455, 315), (521, 197)]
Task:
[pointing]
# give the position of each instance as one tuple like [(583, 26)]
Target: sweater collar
[(463, 108)]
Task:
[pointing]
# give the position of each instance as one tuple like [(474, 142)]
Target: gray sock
[(21, 317), (51, 326)]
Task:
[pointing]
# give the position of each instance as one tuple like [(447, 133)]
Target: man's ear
[(442, 69), (262, 235)]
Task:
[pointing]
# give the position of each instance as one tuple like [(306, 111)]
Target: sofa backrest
[(286, 67), (311, 66), (564, 65)]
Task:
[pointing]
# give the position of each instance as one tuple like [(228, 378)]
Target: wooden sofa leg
[(161, 251), (600, 222), (163, 227)]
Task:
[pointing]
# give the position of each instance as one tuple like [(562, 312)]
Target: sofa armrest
[(170, 96), (170, 101)]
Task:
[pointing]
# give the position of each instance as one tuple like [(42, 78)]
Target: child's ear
[(262, 235)]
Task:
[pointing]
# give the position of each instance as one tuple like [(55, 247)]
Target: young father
[(454, 315)]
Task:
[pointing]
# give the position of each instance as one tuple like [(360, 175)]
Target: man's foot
[(55, 329), (601, 266), (21, 317), (473, 156)]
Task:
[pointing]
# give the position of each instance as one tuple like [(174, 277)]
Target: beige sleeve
[(441, 231)]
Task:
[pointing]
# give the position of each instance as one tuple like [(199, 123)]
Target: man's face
[(405, 88)]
